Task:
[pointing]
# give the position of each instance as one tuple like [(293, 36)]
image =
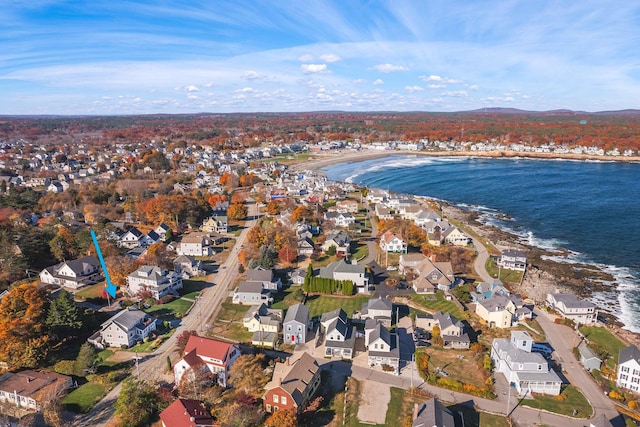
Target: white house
[(570, 307), (296, 324), (131, 238), (159, 282), (206, 355), (251, 293), (339, 219), (73, 274), (125, 328), (528, 371), (513, 259), (629, 368), (32, 389), (379, 309), (195, 244), (454, 236), (391, 242), (383, 348), (340, 335), (342, 270)]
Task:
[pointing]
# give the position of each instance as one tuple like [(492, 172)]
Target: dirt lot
[(459, 364)]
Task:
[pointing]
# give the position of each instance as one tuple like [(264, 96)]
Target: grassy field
[(506, 275), (601, 337), (459, 364), (229, 322), (285, 298), (82, 399), (319, 304), (436, 302), (361, 250), (93, 291), (575, 400), (174, 309)]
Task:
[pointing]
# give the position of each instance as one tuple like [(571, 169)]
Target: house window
[(288, 327), (283, 400), (275, 408), (268, 407), (275, 398), (299, 328), (625, 369)]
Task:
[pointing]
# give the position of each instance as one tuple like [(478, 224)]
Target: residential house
[(160, 282), (588, 358), (391, 242), (383, 348), (206, 355), (340, 335), (195, 244), (432, 275), (162, 231), (32, 389), (130, 239), (73, 274), (383, 212), (150, 238), (216, 224), (188, 265), (347, 206), (305, 246), (570, 307), (628, 373), (513, 259), (342, 270), (498, 311), (454, 236), (293, 384), (186, 413), (124, 329), (296, 324), (528, 371), (452, 330), (376, 195), (379, 309), (422, 218), (297, 276), (432, 413), (339, 219), (340, 240), (486, 290), (266, 277), (265, 324), (251, 293)]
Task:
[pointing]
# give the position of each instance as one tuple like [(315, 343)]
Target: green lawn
[(151, 345), (172, 310), (319, 304), (506, 275), (82, 399), (601, 337), (575, 400), (93, 291), (361, 250), (194, 285), (285, 298), (437, 302), (229, 322)]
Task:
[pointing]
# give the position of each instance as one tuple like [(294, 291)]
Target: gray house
[(252, 293), (432, 413), (588, 358), (296, 324), (380, 309), (125, 328)]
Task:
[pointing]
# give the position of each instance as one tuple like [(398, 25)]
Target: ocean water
[(591, 209)]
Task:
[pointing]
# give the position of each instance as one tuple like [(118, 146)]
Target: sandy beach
[(544, 275)]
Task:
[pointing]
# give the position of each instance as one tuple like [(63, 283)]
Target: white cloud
[(191, 88), (330, 57), (313, 68), (306, 58), (377, 82), (455, 93), (437, 86), (106, 97), (473, 87), (359, 81), (412, 89), (389, 68), (431, 78), (245, 89), (253, 75)]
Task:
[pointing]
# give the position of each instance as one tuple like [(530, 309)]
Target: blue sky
[(130, 57)]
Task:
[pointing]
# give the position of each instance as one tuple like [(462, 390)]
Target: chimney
[(432, 257), (286, 362)]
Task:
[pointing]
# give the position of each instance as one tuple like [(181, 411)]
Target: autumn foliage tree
[(237, 211), (282, 418), (23, 337)]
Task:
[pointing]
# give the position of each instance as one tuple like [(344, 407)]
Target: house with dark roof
[(383, 347), (452, 330), (131, 238), (432, 413), (340, 240), (629, 368), (340, 335), (296, 324), (432, 276), (186, 413), (154, 279), (206, 355), (293, 384), (32, 389), (264, 276), (188, 266), (251, 293), (125, 328), (73, 274)]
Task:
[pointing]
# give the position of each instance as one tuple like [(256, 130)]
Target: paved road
[(481, 261), (207, 305)]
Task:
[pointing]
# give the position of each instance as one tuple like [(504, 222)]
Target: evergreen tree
[(86, 361), (136, 403), (62, 317)]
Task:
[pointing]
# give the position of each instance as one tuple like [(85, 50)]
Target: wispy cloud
[(330, 57), (313, 68), (412, 89), (389, 68), (378, 82)]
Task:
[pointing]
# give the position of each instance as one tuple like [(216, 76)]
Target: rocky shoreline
[(544, 274)]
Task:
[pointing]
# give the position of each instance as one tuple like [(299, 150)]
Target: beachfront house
[(570, 307), (513, 259), (628, 373)]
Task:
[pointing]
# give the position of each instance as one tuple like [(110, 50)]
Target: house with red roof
[(186, 413), (206, 355)]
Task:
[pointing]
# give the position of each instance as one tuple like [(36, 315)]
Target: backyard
[(573, 400), (456, 363), (174, 309), (319, 304), (228, 324), (601, 340), (506, 275), (437, 302)]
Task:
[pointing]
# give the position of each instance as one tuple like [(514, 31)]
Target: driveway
[(481, 261)]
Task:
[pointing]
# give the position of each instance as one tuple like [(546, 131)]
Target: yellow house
[(498, 311)]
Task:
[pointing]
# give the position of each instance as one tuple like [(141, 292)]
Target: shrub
[(561, 397), (616, 395), (633, 405), (65, 367), (165, 299)]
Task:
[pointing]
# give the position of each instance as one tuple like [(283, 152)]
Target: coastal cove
[(576, 219)]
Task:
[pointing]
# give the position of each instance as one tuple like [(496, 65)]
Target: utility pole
[(137, 365), (509, 399)]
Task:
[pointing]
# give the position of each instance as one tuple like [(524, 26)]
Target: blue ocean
[(591, 209)]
